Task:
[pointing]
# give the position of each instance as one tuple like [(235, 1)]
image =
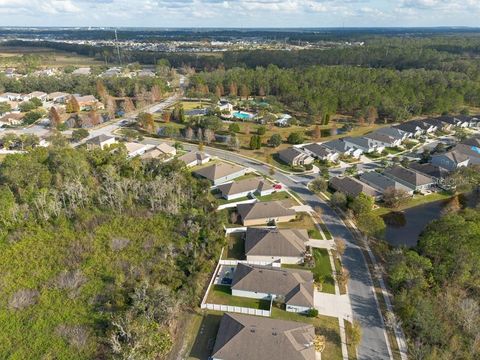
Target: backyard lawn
[(205, 329), (324, 325), (221, 294), (235, 249)]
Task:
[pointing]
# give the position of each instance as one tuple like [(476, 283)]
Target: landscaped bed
[(221, 294)]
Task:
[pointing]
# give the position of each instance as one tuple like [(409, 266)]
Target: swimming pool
[(242, 115)]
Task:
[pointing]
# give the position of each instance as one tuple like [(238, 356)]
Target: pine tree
[(54, 117)]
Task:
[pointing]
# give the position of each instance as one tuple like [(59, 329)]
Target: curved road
[(365, 308)]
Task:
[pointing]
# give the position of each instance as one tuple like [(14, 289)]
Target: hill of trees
[(99, 255), (437, 288)]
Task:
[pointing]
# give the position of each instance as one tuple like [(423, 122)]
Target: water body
[(404, 228)]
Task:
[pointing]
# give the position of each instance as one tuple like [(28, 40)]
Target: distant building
[(88, 102), (58, 97), (451, 160), (343, 148), (100, 142), (283, 120), (239, 189), (11, 119), (220, 173), (295, 157), (365, 144), (136, 149), (195, 158), (321, 152), (244, 337), (383, 140), (394, 132), (82, 71), (36, 94)]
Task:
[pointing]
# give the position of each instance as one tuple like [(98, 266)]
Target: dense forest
[(397, 95), (437, 288), (99, 255), (116, 86)]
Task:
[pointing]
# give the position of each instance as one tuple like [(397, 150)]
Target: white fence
[(234, 204), (236, 309), (262, 263)]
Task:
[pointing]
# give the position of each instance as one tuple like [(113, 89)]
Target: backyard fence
[(236, 309)]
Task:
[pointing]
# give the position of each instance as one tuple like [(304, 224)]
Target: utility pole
[(118, 48)]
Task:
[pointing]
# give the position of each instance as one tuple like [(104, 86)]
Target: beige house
[(220, 173), (100, 142), (195, 158), (239, 189), (89, 102), (264, 213), (163, 151)]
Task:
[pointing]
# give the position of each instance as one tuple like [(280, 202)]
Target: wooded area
[(99, 255)]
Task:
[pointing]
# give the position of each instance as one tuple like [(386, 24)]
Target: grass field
[(414, 201), (221, 294), (51, 58), (303, 221)]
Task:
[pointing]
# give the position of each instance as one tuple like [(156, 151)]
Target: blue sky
[(240, 13)]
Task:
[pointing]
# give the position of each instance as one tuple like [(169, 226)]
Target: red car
[(277, 186)]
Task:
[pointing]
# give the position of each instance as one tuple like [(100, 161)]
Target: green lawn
[(324, 325), (278, 196), (221, 294), (205, 329), (223, 201), (327, 233), (303, 221), (415, 201), (235, 249)]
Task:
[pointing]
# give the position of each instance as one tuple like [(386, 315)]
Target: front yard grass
[(416, 200), (303, 221), (327, 233), (221, 294), (278, 196), (324, 325)]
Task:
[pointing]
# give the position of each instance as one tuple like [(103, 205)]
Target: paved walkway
[(333, 305), (321, 244)]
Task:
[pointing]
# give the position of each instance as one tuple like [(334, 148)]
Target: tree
[(5, 107), (362, 204), (340, 247), (354, 333), (166, 116), (317, 134), (339, 200), (79, 134), (234, 128), (371, 225), (255, 142), (261, 130), (351, 170), (102, 91), (111, 107), (156, 93), (275, 140), (72, 105), (32, 116), (372, 115), (209, 136), (244, 91), (319, 185), (394, 198), (54, 117), (189, 134), (128, 106), (146, 121), (233, 89), (233, 142), (295, 138)]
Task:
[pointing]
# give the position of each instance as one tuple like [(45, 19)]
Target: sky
[(240, 13)]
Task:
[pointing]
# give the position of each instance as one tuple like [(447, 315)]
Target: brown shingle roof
[(296, 286), (244, 337), (275, 242), (263, 210), (237, 187)]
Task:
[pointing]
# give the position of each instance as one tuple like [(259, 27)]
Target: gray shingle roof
[(97, 140), (408, 176), (318, 150), (192, 156), (296, 286), (382, 182), (263, 210), (244, 337), (275, 242), (218, 171), (352, 187), (290, 154), (251, 185), (429, 170)]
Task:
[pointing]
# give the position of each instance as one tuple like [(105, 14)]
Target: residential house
[(196, 112), (88, 102), (9, 96), (294, 287), (283, 120), (383, 140), (464, 120), (295, 157), (146, 73), (11, 119), (382, 183), (470, 150), (457, 121), (320, 152), (439, 124), (58, 97), (246, 337), (410, 178), (195, 158), (36, 94), (343, 148), (264, 213), (353, 187), (394, 132), (411, 128), (272, 244), (114, 71), (220, 173), (435, 172), (365, 144), (163, 151), (100, 142), (82, 71), (451, 160), (225, 106), (240, 189), (136, 149)]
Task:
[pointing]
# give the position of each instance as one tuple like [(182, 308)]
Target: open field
[(50, 57)]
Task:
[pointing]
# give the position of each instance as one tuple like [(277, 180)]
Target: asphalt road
[(364, 306)]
